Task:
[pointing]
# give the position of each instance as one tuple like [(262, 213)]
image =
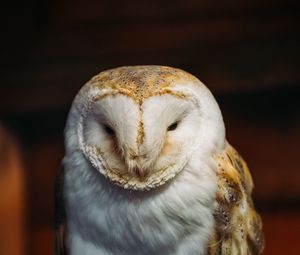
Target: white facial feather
[(176, 215)]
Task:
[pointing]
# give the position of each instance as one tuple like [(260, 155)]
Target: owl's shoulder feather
[(238, 226)]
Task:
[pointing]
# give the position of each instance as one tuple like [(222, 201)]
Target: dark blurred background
[(246, 52)]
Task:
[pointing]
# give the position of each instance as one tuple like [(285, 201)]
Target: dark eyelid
[(108, 129), (173, 126)]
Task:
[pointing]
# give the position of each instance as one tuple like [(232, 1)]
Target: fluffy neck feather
[(173, 219)]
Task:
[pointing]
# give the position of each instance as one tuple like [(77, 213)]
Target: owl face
[(142, 141)]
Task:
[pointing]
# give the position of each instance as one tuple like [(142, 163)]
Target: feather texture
[(60, 225), (238, 228)]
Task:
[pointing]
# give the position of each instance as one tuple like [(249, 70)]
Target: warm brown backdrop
[(247, 52)]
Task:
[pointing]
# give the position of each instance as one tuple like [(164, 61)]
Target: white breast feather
[(134, 223)]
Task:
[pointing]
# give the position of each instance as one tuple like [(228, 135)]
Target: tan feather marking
[(140, 130), (140, 100), (214, 244), (140, 82), (240, 165), (167, 147), (255, 225), (238, 225), (132, 154)]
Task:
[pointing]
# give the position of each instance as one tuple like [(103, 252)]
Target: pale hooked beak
[(140, 172)]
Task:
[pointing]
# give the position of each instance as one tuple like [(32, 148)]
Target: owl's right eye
[(173, 126), (108, 129)]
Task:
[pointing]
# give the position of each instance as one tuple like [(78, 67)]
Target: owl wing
[(238, 226), (60, 225)]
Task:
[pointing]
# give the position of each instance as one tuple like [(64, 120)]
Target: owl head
[(140, 125)]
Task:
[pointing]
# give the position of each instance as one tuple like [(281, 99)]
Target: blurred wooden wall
[(12, 196), (246, 52)]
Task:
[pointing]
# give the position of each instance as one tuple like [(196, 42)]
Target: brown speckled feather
[(238, 226), (60, 216)]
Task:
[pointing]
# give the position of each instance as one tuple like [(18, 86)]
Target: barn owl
[(148, 170)]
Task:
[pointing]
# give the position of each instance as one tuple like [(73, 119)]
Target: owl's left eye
[(173, 126), (108, 129)]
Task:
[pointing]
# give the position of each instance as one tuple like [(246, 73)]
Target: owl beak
[(140, 172)]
